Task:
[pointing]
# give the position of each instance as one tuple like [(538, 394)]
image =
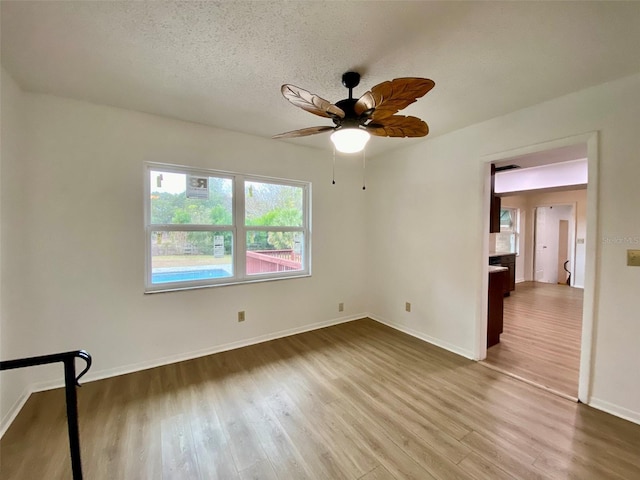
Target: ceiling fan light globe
[(350, 140)]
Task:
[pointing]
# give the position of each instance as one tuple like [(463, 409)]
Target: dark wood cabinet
[(494, 214), (509, 261), (494, 207), (498, 280), (506, 260)]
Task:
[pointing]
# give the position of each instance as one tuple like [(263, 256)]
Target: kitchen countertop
[(500, 254)]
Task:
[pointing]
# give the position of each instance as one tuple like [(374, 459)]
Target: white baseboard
[(434, 341), (11, 415), (615, 410), (13, 412), (607, 407), (114, 372), (522, 280)]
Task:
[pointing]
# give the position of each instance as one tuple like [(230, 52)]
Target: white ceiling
[(222, 63)]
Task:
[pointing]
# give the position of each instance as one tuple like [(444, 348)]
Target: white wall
[(579, 198), (74, 255), (426, 225), (14, 330), (526, 203), (82, 227)]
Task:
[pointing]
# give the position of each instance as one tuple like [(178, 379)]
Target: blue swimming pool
[(188, 275)]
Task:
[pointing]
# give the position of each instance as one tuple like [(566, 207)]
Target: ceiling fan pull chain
[(333, 172), (364, 171)]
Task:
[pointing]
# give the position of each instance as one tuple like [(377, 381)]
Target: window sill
[(153, 290)]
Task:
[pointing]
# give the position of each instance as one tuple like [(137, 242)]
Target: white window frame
[(515, 230), (238, 229)]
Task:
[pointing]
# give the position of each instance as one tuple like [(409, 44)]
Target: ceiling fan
[(373, 113)]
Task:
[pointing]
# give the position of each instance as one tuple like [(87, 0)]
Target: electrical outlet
[(241, 316), (407, 306), (341, 307), (633, 258)]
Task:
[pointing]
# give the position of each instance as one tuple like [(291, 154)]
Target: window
[(507, 239), (207, 228)]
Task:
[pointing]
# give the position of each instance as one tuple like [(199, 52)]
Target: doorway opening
[(547, 319)]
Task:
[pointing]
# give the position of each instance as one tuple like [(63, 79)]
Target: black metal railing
[(70, 383)]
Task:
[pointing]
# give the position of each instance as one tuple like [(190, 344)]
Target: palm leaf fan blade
[(310, 102), (304, 132), (364, 103), (392, 96), (398, 126)]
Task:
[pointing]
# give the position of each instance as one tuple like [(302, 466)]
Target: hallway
[(540, 342)]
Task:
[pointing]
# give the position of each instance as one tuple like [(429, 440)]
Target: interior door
[(539, 258), (563, 251)]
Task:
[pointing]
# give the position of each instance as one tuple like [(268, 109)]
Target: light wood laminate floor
[(353, 401), (541, 337)]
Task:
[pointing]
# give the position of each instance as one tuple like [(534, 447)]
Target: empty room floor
[(353, 401), (541, 337)]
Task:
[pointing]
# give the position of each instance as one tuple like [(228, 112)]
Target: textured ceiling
[(222, 63)]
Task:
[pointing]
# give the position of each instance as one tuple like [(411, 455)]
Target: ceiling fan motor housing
[(350, 118)]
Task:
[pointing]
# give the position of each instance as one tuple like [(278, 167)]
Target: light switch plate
[(633, 258)]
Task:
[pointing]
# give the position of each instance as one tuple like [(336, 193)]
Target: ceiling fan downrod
[(351, 80), (350, 119)]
